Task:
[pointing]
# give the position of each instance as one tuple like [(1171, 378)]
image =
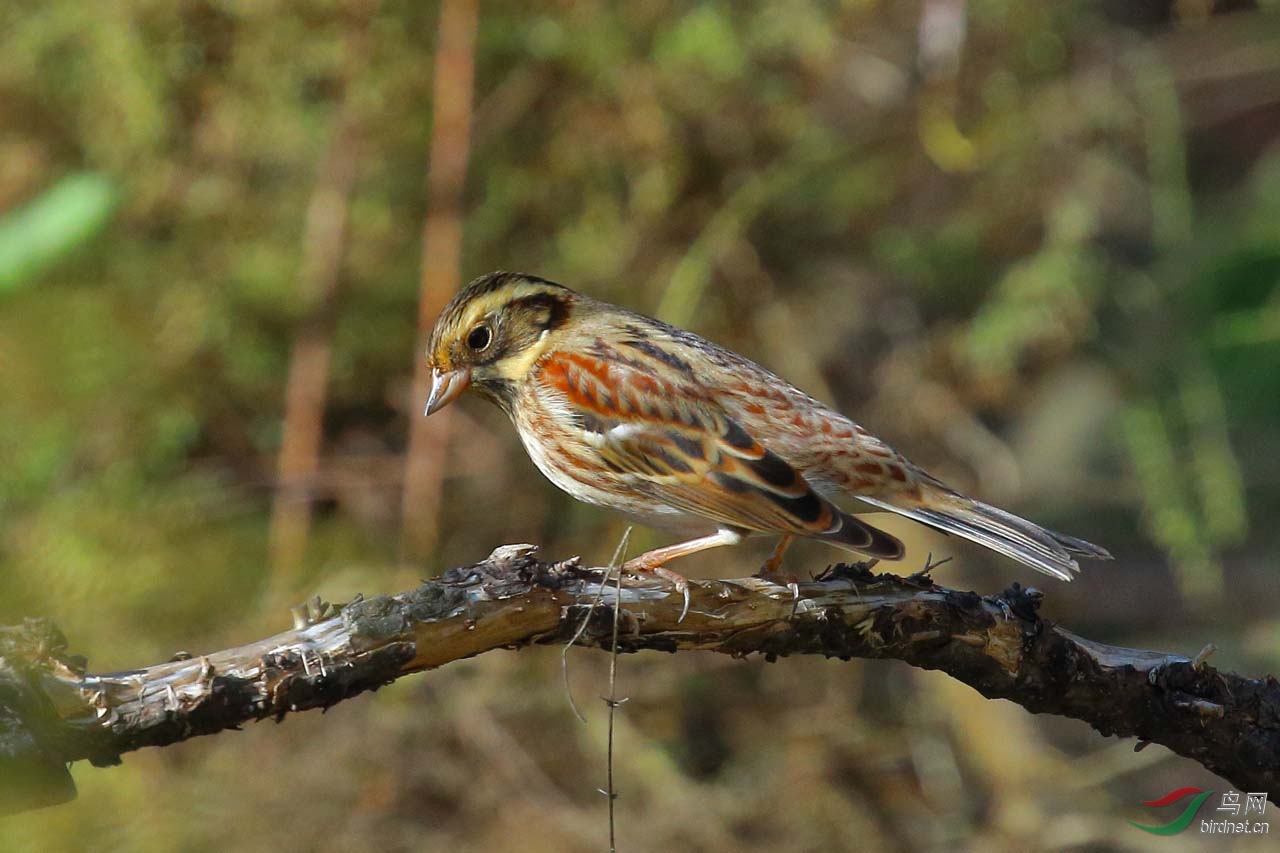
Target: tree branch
[(53, 712)]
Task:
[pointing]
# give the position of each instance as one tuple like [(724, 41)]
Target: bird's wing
[(834, 452), (669, 438)]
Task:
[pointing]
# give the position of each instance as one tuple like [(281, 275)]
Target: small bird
[(626, 412)]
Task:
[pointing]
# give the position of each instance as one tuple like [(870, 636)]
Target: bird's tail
[(1038, 547), (858, 536)]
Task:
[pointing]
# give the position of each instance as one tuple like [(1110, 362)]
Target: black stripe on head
[(547, 310), (477, 288), (522, 321), (500, 279), (489, 283), (486, 284)]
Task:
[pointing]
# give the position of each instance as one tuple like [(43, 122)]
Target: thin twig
[(615, 560), (613, 701)]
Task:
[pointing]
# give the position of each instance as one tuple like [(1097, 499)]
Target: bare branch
[(53, 712)]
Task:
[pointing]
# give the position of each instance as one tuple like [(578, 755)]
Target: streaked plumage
[(629, 413)]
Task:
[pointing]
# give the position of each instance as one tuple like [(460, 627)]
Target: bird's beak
[(445, 386)]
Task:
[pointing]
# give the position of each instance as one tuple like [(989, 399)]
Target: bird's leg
[(770, 569), (653, 561)]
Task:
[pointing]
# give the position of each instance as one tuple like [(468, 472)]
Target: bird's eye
[(480, 338)]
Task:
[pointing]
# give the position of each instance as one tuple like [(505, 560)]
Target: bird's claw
[(682, 586), (677, 580), (772, 575)]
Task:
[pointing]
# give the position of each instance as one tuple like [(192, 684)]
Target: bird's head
[(491, 333)]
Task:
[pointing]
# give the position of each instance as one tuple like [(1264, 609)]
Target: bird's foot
[(771, 573), (642, 566)]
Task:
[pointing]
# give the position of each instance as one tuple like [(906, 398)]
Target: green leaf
[(41, 232)]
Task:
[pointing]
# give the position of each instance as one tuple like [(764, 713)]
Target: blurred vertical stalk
[(1172, 208), (940, 43), (1162, 474), (1194, 489), (726, 228), (324, 239), (1214, 465), (441, 264)]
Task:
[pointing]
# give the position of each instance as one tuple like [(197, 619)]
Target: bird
[(673, 431)]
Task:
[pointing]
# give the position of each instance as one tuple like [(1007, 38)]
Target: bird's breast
[(562, 449)]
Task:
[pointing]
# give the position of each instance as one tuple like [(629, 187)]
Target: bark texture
[(52, 711)]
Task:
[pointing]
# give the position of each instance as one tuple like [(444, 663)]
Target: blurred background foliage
[(1036, 245)]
